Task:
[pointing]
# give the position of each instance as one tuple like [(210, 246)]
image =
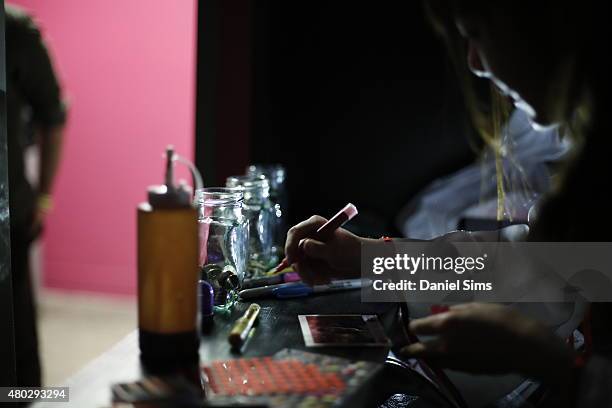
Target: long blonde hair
[(577, 208), (488, 116)]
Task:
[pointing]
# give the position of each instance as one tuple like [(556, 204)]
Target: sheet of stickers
[(290, 378)]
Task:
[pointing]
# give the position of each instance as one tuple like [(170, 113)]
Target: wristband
[(44, 203)]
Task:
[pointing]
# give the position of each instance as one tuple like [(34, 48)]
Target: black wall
[(359, 102)]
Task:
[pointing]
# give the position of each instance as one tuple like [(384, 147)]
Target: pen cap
[(292, 277), (326, 231), (207, 298)]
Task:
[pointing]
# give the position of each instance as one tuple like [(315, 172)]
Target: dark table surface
[(278, 328)]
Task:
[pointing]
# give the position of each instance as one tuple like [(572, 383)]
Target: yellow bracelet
[(45, 203)]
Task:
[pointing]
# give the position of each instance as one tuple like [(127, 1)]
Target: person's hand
[(38, 222), (489, 338), (44, 204), (318, 262)]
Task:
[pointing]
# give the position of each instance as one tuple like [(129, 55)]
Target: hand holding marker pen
[(326, 231), (298, 289)]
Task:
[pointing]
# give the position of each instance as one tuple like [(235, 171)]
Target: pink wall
[(128, 68)]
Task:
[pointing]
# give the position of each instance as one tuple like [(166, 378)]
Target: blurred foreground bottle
[(168, 273)]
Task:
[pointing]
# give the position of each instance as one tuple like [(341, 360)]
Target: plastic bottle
[(168, 272)]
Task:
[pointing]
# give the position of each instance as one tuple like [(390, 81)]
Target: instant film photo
[(343, 331)]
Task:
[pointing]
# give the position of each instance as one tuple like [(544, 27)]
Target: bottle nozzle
[(169, 179), (170, 195)]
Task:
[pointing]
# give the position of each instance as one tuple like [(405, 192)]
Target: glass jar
[(259, 210), (224, 230), (276, 174)]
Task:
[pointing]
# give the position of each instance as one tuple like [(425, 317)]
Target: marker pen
[(271, 280), (243, 326), (299, 289)]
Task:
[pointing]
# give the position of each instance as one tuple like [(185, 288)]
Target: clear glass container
[(224, 230), (277, 176), (259, 210)]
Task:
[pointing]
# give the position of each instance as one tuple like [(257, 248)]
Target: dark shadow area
[(7, 347), (359, 103)]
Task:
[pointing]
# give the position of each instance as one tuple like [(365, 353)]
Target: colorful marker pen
[(299, 289), (271, 280)]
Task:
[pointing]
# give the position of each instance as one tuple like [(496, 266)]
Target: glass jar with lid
[(259, 210)]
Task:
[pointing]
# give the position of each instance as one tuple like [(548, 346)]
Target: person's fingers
[(315, 249), (299, 232), (313, 272), (306, 273), (414, 350), (435, 324), (316, 274), (477, 312), (436, 353), (425, 349), (472, 306)]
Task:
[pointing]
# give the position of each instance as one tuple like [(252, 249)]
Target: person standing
[(35, 114)]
